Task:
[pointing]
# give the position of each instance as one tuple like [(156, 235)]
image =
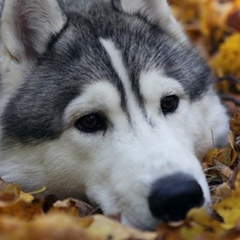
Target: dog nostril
[(172, 197)]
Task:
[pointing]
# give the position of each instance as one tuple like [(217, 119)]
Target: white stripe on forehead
[(117, 61), (118, 65)]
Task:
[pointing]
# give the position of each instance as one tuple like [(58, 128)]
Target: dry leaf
[(226, 60), (213, 26)]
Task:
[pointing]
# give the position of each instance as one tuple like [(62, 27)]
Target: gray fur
[(82, 5), (126, 65), (75, 58)]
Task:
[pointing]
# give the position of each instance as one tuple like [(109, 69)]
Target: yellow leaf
[(105, 227), (26, 197), (229, 210), (199, 217), (226, 60)]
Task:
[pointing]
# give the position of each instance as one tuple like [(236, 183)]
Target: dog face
[(110, 103)]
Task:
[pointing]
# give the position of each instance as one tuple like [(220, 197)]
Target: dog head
[(109, 102)]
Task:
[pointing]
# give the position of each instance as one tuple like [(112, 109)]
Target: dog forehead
[(76, 58), (143, 46)]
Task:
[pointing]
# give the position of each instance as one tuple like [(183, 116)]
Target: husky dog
[(107, 101)]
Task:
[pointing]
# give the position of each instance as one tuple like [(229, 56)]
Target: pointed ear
[(155, 11), (28, 25), (26, 28)]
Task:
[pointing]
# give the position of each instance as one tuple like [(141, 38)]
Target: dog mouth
[(152, 200), (169, 200)]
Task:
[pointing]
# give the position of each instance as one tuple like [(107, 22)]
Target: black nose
[(173, 196)]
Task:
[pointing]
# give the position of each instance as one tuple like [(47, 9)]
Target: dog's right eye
[(91, 123)]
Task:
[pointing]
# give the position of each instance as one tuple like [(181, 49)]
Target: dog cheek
[(102, 197)]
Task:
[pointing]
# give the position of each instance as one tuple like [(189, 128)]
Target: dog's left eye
[(169, 104), (91, 123)]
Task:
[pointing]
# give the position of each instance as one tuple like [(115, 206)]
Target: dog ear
[(26, 28), (156, 11)]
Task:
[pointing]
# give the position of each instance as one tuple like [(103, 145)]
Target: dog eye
[(169, 104), (91, 123)]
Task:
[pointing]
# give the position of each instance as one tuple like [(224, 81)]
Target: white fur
[(115, 169), (211, 127), (43, 18), (117, 62)]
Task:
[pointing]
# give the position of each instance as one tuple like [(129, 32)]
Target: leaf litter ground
[(214, 27)]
